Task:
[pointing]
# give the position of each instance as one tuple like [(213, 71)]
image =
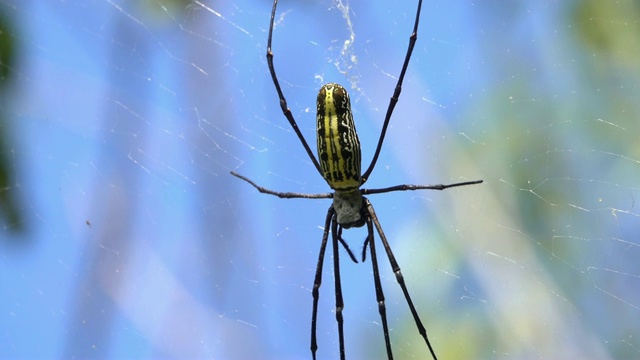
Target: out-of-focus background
[(124, 236)]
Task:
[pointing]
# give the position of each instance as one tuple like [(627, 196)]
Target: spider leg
[(399, 277), (318, 280), (364, 248), (338, 285), (382, 309), (346, 246), (408, 187), (283, 101), (282, 195), (396, 95)]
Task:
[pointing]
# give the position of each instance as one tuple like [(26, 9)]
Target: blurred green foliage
[(8, 200)]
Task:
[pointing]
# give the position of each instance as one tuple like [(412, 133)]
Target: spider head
[(348, 205)]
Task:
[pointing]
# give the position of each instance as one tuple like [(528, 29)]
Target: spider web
[(124, 236)]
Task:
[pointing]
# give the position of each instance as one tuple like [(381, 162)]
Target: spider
[(339, 164)]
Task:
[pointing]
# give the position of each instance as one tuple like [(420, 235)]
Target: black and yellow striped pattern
[(338, 143)]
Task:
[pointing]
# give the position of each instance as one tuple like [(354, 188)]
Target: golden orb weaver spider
[(339, 164)]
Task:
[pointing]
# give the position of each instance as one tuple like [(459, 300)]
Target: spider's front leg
[(399, 278), (382, 309), (338, 285), (318, 280)]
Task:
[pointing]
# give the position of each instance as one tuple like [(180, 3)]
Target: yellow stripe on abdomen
[(338, 143)]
